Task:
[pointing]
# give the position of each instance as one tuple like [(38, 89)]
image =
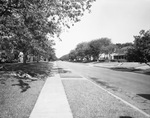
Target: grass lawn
[(18, 95)]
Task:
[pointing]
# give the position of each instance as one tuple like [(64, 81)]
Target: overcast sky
[(118, 20)]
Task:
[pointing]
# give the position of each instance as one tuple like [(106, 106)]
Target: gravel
[(89, 101)]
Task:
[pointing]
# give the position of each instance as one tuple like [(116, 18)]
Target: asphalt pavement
[(130, 87), (67, 94)]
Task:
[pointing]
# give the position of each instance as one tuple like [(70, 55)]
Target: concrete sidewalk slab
[(52, 101)]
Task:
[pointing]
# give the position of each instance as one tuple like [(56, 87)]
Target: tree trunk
[(38, 59), (24, 58), (109, 57)]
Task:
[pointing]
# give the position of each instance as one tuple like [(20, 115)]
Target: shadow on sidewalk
[(65, 73), (60, 70)]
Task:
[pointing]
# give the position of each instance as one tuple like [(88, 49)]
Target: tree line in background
[(138, 51), (28, 26)]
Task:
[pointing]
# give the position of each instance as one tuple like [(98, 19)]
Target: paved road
[(133, 82), (131, 87)]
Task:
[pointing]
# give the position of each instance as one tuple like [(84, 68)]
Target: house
[(117, 55), (20, 57), (112, 57)]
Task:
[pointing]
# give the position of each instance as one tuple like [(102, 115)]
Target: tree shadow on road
[(125, 69), (146, 96), (132, 69), (105, 84), (125, 117)]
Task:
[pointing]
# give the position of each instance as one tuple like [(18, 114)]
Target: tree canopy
[(26, 24), (97, 45), (93, 48), (141, 48)]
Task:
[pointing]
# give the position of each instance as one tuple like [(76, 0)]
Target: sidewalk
[(52, 101), (86, 99)]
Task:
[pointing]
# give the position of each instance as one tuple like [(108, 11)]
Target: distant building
[(21, 57), (117, 55), (113, 56)]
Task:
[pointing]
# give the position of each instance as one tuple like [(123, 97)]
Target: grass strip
[(18, 95)]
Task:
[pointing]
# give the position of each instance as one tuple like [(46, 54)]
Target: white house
[(112, 56)]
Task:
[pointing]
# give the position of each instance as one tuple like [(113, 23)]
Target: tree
[(87, 51), (65, 57), (132, 55), (80, 50), (96, 46), (72, 55), (141, 49), (108, 49), (119, 45), (28, 22)]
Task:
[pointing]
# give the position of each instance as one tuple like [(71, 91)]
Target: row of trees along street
[(29, 26), (138, 51)]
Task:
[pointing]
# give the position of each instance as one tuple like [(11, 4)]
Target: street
[(131, 87), (133, 82)]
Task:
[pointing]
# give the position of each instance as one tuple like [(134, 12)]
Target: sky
[(118, 20)]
